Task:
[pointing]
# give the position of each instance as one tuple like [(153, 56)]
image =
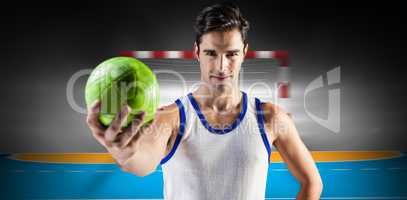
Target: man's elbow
[(137, 171), (143, 173), (314, 186), (139, 168)]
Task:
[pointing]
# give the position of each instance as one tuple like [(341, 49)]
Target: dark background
[(43, 44)]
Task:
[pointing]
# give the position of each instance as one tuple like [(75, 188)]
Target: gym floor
[(346, 175)]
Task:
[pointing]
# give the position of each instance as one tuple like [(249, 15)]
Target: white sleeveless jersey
[(206, 163)]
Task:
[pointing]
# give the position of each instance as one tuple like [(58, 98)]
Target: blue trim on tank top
[(260, 120), (180, 132), (216, 130)]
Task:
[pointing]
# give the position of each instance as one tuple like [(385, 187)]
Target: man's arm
[(293, 151), (151, 145), (138, 148)]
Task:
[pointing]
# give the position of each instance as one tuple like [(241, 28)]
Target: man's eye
[(210, 53), (232, 54)]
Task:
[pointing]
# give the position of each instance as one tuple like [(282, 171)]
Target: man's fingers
[(93, 117), (131, 131), (92, 120), (114, 128), (100, 137)]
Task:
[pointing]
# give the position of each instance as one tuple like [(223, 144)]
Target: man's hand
[(115, 140)]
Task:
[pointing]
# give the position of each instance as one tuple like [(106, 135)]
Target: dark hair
[(220, 17)]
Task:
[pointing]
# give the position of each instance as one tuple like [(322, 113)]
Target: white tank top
[(217, 164)]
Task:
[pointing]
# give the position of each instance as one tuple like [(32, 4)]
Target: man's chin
[(223, 82), (223, 85)]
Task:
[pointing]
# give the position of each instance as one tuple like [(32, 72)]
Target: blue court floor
[(372, 179)]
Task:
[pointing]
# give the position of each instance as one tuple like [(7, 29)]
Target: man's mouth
[(221, 78)]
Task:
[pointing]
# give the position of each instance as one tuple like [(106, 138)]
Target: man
[(210, 144)]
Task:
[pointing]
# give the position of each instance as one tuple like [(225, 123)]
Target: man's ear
[(246, 47), (196, 51)]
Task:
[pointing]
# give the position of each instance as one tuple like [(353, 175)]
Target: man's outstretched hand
[(113, 138)]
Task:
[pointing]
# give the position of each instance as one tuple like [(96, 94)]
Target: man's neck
[(218, 100)]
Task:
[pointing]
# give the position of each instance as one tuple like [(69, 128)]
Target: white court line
[(394, 168), (159, 171), (341, 169), (73, 171), (19, 170), (368, 169), (46, 171), (105, 171), (371, 197), (348, 198), (280, 169)]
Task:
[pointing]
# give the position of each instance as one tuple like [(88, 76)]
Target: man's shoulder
[(276, 118), (272, 111), (168, 111)]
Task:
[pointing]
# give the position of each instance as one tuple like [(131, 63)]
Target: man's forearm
[(310, 192)]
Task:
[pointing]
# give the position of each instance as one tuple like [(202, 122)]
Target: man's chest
[(208, 151)]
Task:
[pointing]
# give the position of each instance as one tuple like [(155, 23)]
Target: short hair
[(220, 17)]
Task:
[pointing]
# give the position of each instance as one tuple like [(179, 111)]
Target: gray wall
[(44, 45)]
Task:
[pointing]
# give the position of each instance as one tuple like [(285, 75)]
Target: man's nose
[(223, 63)]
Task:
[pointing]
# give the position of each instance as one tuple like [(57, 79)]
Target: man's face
[(220, 57)]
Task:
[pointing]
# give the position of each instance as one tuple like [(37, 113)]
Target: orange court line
[(105, 158), (344, 156)]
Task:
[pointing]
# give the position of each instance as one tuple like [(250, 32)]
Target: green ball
[(119, 81)]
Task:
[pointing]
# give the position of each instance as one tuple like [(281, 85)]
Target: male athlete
[(215, 142)]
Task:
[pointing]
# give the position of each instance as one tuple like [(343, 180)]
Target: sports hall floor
[(346, 175)]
